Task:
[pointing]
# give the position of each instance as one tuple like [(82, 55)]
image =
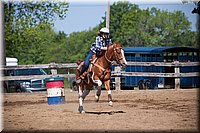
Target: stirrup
[(78, 81)]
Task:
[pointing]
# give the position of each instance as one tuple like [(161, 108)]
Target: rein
[(115, 51), (107, 59)]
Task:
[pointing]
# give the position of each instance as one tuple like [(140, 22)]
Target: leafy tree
[(31, 38), (132, 26), (77, 45), (24, 22), (117, 11)]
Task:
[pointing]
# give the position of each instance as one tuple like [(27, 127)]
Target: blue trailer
[(159, 54)]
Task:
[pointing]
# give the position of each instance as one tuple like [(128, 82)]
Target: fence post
[(177, 79), (117, 79)]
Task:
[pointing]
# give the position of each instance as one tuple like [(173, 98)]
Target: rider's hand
[(103, 48)]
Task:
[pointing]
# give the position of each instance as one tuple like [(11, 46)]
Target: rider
[(101, 43)]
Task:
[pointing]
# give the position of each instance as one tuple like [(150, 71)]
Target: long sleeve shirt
[(99, 43)]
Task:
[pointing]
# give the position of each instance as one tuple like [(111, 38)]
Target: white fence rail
[(117, 73)]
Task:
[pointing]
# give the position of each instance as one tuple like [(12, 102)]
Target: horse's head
[(117, 54)]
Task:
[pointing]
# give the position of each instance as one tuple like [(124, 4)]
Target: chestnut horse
[(100, 73)]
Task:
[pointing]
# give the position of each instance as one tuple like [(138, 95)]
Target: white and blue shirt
[(99, 43)]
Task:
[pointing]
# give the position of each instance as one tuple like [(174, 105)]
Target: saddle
[(88, 72), (80, 65)]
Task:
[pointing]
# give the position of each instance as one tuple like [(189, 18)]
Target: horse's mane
[(116, 43)]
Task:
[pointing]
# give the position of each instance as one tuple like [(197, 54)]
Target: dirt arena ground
[(132, 111)]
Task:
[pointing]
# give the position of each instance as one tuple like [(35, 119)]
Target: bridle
[(116, 53), (110, 58)]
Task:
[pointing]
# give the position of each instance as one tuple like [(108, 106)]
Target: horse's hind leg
[(80, 98), (110, 98)]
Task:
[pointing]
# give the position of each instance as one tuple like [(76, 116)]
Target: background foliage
[(30, 36)]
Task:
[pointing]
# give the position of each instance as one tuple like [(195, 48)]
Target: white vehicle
[(11, 61)]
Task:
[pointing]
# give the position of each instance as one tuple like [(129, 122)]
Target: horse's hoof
[(80, 109), (82, 112), (110, 103), (97, 98)]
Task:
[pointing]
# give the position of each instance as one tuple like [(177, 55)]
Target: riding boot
[(81, 77)]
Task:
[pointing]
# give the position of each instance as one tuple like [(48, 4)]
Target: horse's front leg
[(98, 93), (107, 85), (80, 99)]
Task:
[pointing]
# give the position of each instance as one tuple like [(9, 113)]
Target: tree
[(24, 21), (31, 38), (77, 45), (132, 26), (117, 11)]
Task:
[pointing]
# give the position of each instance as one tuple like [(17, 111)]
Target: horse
[(100, 73)]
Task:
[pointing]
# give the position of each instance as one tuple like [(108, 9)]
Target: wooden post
[(177, 79), (108, 15), (2, 35), (3, 57), (117, 79)]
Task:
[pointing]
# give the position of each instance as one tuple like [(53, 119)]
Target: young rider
[(101, 43)]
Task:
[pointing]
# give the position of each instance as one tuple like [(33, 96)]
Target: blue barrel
[(55, 90)]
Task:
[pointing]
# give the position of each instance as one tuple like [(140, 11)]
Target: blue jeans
[(87, 62)]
